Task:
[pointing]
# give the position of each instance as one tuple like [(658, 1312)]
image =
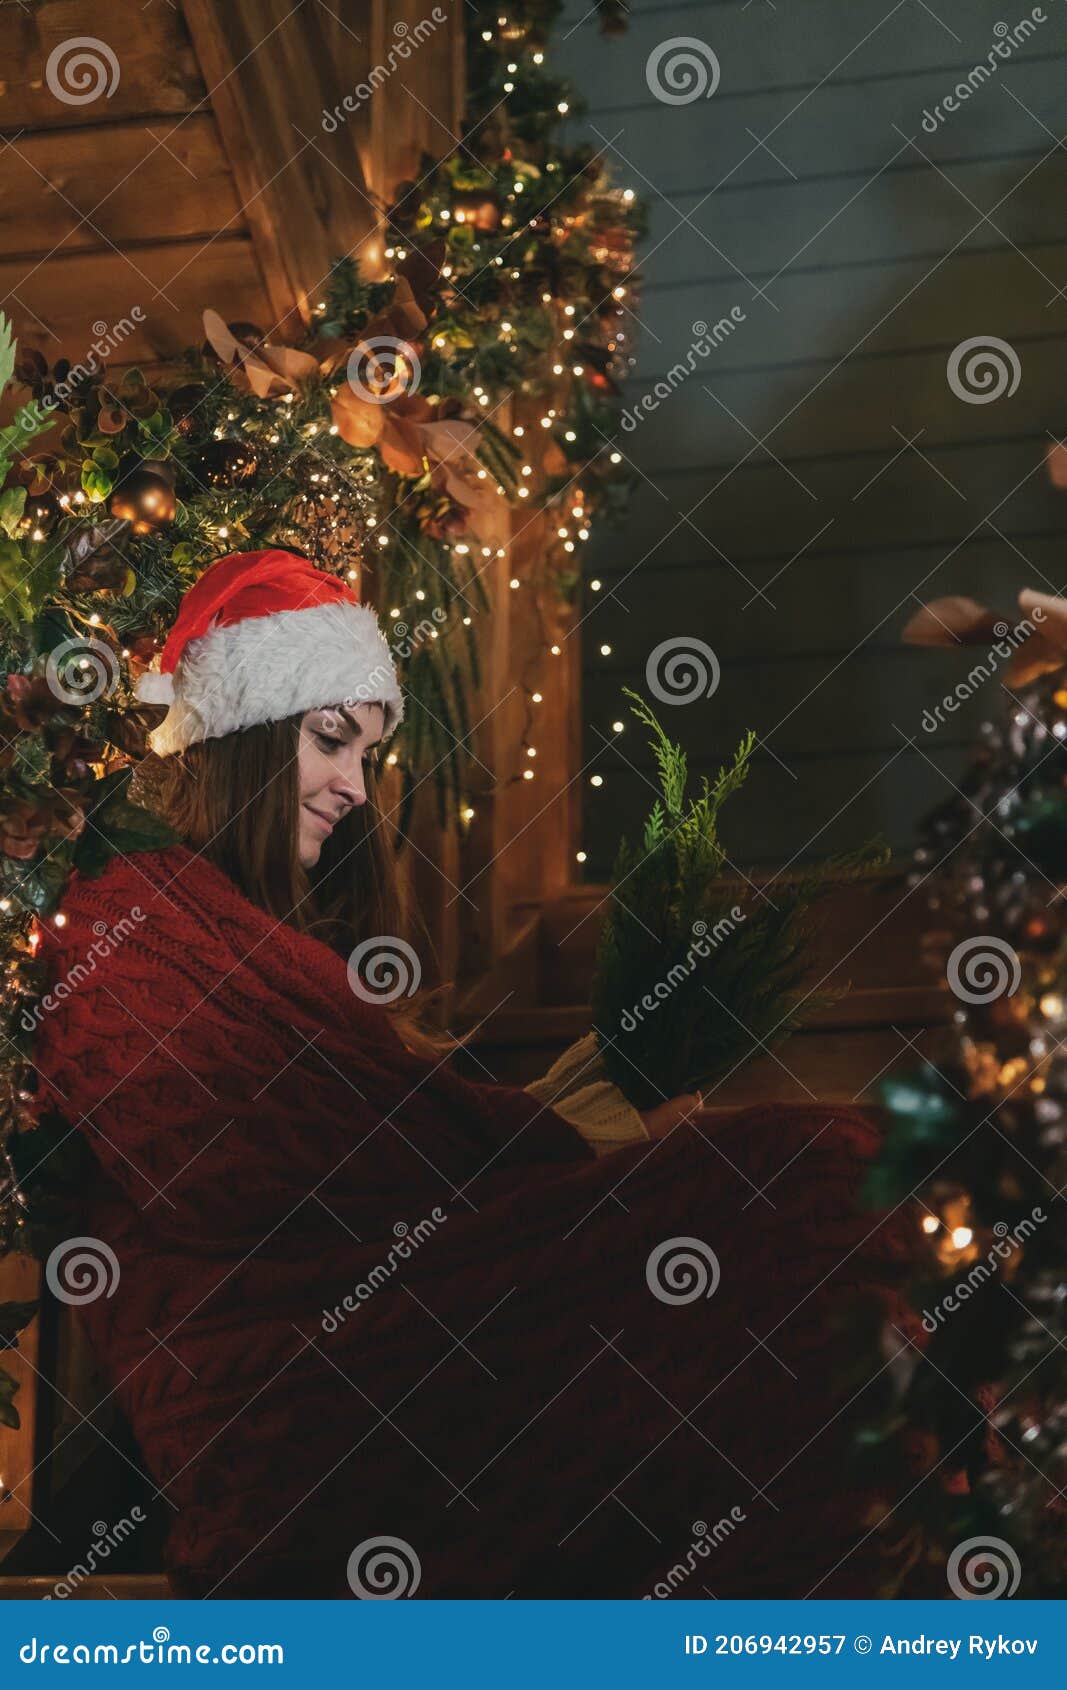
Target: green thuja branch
[(693, 977)]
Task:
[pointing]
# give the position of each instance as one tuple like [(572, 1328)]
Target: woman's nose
[(349, 785)]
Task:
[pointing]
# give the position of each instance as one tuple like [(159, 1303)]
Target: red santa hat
[(261, 636)]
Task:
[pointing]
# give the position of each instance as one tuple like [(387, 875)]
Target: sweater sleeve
[(577, 1089), (222, 1096)]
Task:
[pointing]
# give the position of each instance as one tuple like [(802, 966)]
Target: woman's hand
[(660, 1121)]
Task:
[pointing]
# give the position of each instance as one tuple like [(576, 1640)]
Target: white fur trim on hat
[(266, 668)]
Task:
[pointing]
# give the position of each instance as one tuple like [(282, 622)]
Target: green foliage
[(733, 972), (117, 825)]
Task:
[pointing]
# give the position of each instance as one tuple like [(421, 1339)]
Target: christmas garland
[(380, 446)]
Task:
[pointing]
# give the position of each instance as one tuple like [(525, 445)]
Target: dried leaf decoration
[(957, 620), (261, 368), (953, 621)]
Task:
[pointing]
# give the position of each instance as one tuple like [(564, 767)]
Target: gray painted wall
[(816, 477)]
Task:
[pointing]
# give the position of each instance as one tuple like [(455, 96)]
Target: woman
[(380, 1330)]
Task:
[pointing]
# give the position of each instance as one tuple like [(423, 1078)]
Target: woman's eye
[(328, 741)]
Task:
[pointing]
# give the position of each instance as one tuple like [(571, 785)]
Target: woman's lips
[(323, 821)]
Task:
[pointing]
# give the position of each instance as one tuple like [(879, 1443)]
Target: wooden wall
[(860, 261)]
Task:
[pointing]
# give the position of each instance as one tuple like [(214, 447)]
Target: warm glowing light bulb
[(961, 1236), (930, 1223)]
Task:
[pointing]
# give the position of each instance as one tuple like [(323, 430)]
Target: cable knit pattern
[(509, 1396)]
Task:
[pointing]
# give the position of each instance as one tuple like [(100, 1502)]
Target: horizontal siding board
[(840, 404), (157, 71), (843, 699), (172, 181), (59, 307), (793, 47), (848, 218), (817, 602), (942, 301), (872, 123), (755, 510)]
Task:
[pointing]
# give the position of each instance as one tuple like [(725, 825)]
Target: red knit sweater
[(509, 1398)]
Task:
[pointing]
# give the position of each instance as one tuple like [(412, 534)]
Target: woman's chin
[(310, 851)]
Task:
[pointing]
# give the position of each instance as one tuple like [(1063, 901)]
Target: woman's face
[(334, 742)]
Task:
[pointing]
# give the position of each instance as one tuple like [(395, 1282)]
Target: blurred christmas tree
[(977, 1139)]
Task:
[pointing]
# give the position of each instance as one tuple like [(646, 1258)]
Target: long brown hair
[(235, 800)]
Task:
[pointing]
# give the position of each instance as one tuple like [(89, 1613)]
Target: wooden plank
[(57, 307), (157, 71), (791, 48), (20, 1281), (753, 509), (939, 308), (753, 231), (301, 184), (859, 125), (831, 403), (146, 183), (872, 596), (809, 695)]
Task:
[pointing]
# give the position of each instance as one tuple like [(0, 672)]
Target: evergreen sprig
[(733, 972)]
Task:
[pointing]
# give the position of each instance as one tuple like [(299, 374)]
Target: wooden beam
[(274, 82)]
